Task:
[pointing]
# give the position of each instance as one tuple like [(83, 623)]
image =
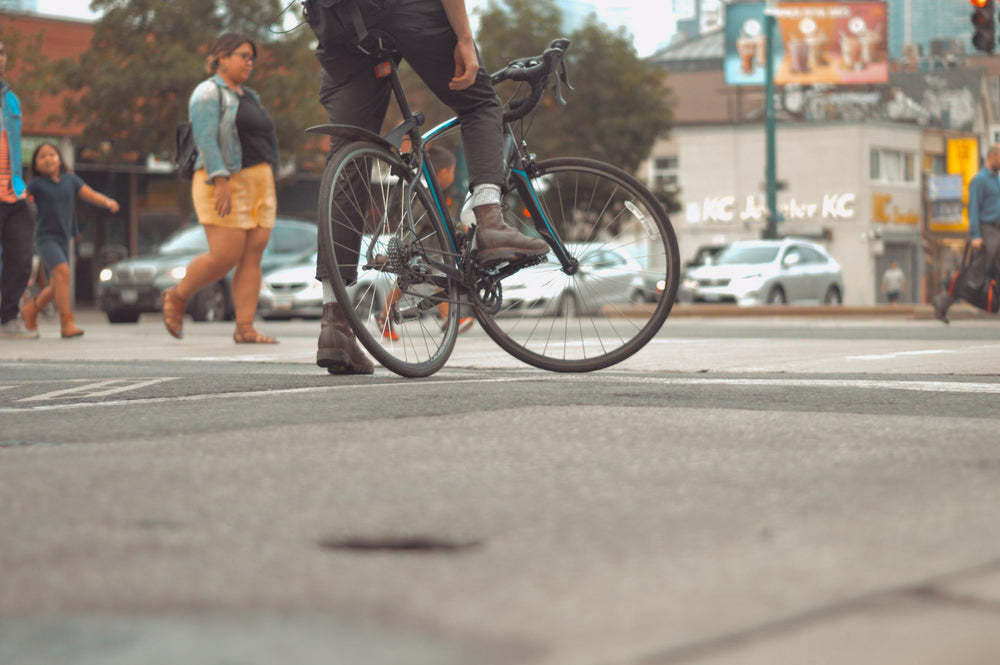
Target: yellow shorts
[(254, 201)]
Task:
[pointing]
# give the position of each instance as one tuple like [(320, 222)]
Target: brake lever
[(561, 78)]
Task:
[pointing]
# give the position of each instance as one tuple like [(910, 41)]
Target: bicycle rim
[(394, 301), (626, 283)]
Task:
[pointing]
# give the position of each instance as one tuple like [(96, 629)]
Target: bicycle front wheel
[(615, 298), (381, 238)]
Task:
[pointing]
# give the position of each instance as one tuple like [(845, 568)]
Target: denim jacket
[(12, 124), (212, 108)]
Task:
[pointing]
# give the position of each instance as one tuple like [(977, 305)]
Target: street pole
[(770, 175)]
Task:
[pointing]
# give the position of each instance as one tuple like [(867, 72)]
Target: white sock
[(328, 294), (484, 194)]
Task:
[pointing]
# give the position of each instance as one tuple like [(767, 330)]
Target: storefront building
[(861, 170), (854, 188)]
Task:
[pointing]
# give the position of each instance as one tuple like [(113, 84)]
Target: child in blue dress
[(54, 191)]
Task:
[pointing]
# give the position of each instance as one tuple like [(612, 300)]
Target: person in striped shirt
[(17, 227)]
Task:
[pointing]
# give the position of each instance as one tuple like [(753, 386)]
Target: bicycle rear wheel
[(623, 287), (379, 233)]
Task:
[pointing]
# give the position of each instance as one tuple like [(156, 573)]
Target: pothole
[(400, 543)]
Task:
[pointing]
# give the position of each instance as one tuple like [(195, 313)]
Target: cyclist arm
[(466, 60)]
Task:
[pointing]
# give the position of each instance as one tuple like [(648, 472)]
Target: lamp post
[(770, 169)]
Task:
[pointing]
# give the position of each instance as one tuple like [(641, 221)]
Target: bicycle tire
[(368, 188), (610, 223)]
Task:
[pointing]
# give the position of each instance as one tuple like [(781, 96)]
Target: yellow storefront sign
[(963, 160)]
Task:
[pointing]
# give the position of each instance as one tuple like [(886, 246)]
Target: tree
[(33, 69), (148, 55), (620, 104)]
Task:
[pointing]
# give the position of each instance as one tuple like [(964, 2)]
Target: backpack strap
[(350, 15)]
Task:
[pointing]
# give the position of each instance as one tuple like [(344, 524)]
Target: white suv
[(755, 272)]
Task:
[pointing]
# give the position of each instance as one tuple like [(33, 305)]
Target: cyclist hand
[(977, 243), (466, 65), (223, 197)]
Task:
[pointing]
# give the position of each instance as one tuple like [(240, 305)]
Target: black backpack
[(186, 153), (343, 22)]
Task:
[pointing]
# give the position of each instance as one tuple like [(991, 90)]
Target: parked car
[(130, 287), (648, 287), (705, 255), (768, 271), (605, 277), (294, 292)]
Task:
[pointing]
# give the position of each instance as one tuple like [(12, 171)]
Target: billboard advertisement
[(838, 43), (743, 63), (815, 42)]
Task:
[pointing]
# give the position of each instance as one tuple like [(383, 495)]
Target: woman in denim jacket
[(232, 187)]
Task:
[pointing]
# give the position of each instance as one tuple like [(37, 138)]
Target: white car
[(605, 277), (294, 292), (755, 272)]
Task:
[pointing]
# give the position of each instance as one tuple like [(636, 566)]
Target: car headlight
[(106, 275), (688, 284), (178, 272)]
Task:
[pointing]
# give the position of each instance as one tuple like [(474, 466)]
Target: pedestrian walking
[(16, 224), (232, 187), (984, 223), (54, 191), (435, 38), (893, 283)]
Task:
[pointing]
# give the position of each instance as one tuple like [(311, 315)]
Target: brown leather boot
[(30, 314), (495, 240), (68, 326), (338, 349)]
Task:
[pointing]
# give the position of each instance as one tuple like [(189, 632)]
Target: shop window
[(892, 166), (665, 175)]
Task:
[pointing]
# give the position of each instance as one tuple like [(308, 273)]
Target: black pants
[(352, 95), (17, 231)]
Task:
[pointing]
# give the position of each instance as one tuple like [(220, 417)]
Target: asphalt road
[(745, 491)]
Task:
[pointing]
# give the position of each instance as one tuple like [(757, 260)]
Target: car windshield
[(736, 254), (191, 240)]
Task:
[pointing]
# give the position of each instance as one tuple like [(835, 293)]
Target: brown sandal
[(173, 313), (248, 335)]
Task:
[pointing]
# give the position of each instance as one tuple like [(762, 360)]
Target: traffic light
[(984, 20)]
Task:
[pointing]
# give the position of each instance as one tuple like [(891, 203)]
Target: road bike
[(409, 268)]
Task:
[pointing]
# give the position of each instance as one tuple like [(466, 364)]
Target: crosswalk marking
[(96, 389)]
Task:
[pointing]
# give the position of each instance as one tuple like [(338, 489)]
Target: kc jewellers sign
[(729, 210)]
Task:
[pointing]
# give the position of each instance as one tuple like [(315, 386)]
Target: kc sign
[(730, 210)]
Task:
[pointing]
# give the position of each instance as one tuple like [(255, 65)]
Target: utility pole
[(770, 169)]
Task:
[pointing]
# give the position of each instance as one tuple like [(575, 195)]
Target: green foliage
[(148, 55), (619, 105), (29, 71)]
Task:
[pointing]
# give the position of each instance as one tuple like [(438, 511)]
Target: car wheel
[(209, 304), (567, 306), (776, 296), (833, 296), (637, 297), (123, 316)]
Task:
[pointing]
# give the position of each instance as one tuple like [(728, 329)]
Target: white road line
[(901, 354), (98, 389), (954, 387), (852, 384), (146, 401)]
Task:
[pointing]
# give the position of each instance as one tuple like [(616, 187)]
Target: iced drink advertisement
[(832, 43), (814, 42), (745, 44)]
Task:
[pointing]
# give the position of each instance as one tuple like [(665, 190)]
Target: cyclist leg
[(426, 40), (351, 95)]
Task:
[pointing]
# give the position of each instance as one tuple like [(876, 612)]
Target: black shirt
[(256, 130)]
